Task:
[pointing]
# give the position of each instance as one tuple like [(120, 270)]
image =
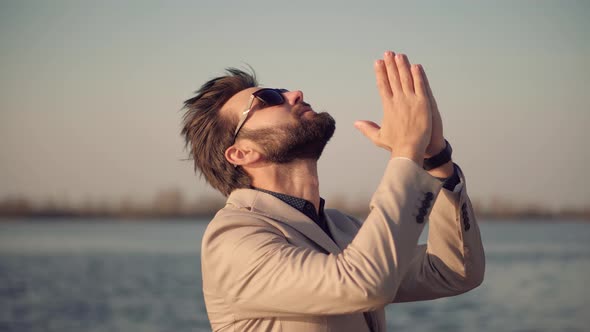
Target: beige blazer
[(268, 267)]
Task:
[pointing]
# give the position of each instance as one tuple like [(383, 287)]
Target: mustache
[(301, 107)]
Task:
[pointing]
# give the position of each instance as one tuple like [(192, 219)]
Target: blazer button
[(467, 226), (429, 196), (419, 218), (423, 210)]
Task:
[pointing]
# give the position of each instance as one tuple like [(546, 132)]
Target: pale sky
[(90, 91)]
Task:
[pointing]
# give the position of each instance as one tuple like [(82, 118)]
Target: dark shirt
[(305, 207)]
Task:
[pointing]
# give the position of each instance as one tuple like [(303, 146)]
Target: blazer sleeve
[(262, 275), (453, 261)]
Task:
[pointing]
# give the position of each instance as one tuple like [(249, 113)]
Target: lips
[(303, 109)]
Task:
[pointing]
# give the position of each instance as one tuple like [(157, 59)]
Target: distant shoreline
[(204, 218), (171, 205)]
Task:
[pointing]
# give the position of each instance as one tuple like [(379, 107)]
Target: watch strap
[(439, 159)]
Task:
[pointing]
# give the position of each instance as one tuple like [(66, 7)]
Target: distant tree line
[(171, 203)]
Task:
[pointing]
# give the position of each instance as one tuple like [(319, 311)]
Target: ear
[(242, 155)]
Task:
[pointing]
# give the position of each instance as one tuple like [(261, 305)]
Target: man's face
[(283, 132)]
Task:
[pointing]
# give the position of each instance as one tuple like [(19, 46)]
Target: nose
[(294, 97)]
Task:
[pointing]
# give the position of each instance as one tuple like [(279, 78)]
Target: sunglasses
[(267, 97)]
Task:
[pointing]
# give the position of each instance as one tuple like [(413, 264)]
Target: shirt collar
[(302, 205)]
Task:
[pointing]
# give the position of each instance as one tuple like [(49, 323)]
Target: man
[(274, 260)]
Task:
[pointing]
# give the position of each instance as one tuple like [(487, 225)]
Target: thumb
[(368, 128)]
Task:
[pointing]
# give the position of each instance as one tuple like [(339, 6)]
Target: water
[(141, 276)]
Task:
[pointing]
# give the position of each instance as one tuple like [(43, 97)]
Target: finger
[(419, 84), (372, 131), (382, 80), (428, 90), (403, 68), (392, 74), (368, 128)]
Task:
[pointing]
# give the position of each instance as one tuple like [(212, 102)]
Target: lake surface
[(145, 276)]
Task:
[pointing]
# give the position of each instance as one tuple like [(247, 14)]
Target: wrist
[(435, 148), (411, 154), (444, 171), (440, 159)]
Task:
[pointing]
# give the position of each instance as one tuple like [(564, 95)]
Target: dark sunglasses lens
[(271, 97)]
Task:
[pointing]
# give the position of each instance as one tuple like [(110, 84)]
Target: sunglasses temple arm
[(244, 117)]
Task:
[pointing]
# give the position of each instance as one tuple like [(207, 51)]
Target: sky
[(91, 91)]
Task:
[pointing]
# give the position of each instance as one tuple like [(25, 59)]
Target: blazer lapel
[(272, 207)]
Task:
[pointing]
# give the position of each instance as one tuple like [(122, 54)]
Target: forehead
[(238, 102)]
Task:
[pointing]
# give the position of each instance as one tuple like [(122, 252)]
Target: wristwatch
[(440, 159)]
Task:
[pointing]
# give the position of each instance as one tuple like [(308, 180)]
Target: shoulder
[(230, 223)]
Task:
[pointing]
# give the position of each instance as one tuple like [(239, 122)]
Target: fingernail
[(389, 53)]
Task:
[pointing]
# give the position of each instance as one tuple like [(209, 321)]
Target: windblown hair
[(209, 134)]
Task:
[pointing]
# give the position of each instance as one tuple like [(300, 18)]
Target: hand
[(407, 119), (437, 139)]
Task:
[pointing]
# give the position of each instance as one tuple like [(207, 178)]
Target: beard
[(305, 139)]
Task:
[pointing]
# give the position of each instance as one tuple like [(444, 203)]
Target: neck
[(298, 178)]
